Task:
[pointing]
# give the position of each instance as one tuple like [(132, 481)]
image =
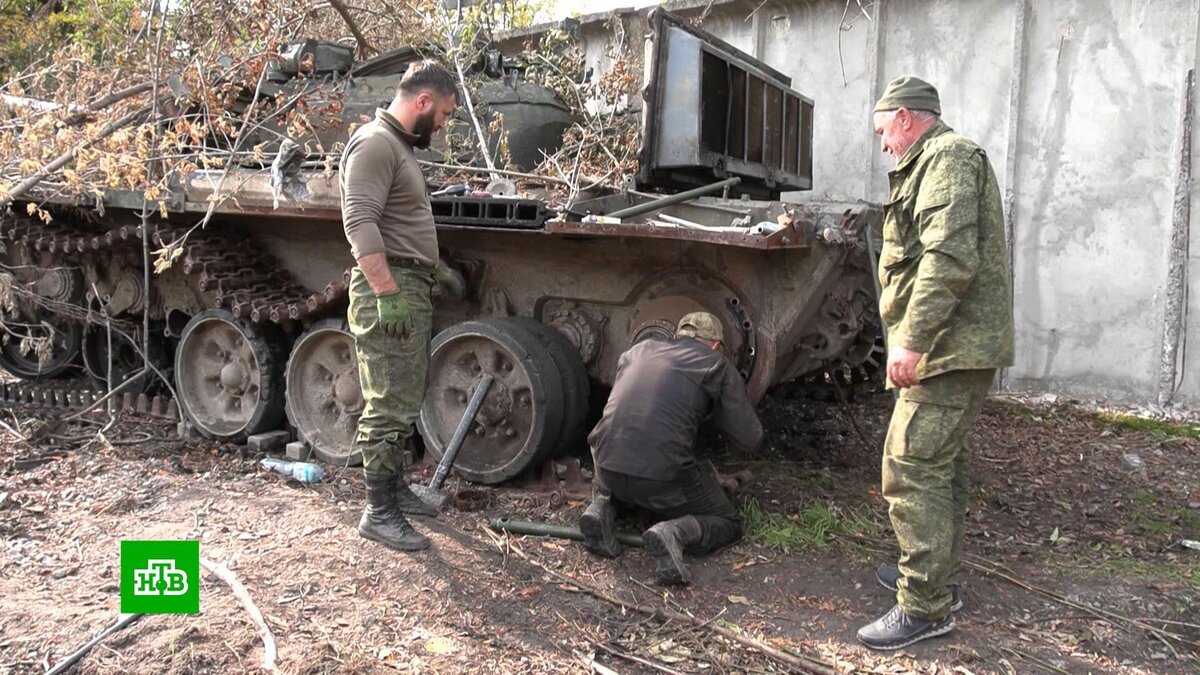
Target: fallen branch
[(804, 664), (268, 638), (67, 157), (483, 148), (101, 103), (1033, 659), (1120, 620), (636, 659)]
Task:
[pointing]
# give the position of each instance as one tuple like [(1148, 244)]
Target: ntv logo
[(160, 578)]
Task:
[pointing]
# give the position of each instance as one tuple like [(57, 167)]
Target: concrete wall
[(1078, 104)]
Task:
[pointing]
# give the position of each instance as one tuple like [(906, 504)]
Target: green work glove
[(450, 281), (393, 314)]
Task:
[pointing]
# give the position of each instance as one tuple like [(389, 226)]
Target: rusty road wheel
[(228, 376), (521, 417), (324, 398), (574, 378)]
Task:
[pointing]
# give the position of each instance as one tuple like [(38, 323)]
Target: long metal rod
[(556, 531), (460, 433), (122, 621), (639, 209)]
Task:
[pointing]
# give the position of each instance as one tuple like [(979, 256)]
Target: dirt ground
[(1075, 561)]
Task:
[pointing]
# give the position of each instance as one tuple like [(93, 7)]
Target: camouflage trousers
[(925, 460), (391, 370)]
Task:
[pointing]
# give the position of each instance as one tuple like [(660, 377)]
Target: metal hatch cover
[(713, 111)]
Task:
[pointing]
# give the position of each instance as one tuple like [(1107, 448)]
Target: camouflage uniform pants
[(392, 370), (925, 483)]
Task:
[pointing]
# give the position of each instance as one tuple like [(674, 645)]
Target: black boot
[(888, 576), (665, 542), (596, 523), (382, 520), (409, 502)]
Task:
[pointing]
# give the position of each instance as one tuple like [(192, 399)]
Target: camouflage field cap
[(909, 92), (701, 325)]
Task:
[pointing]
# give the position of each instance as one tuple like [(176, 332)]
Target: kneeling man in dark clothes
[(643, 446)]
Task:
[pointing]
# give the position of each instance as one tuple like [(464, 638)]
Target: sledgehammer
[(433, 494)]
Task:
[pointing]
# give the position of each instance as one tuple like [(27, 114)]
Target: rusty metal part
[(664, 301), (323, 394), (581, 328)]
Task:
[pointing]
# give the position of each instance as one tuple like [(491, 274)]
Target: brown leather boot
[(382, 520)]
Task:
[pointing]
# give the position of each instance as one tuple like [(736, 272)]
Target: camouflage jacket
[(944, 264)]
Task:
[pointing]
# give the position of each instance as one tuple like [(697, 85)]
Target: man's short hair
[(922, 115), (428, 75)]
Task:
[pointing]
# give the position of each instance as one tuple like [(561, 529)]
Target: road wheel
[(229, 376), (521, 418), (574, 378), (324, 397), (65, 338)]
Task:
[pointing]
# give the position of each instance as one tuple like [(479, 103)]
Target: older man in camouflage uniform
[(947, 306), (389, 224)]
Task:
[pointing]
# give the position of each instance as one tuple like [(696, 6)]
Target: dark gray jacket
[(663, 390)]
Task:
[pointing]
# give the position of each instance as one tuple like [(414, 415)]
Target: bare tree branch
[(363, 45)]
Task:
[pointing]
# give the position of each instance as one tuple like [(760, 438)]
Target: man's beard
[(423, 130)]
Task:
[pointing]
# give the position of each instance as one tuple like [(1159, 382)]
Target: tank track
[(53, 398), (247, 282)]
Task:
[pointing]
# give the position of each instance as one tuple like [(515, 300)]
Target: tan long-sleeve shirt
[(385, 206)]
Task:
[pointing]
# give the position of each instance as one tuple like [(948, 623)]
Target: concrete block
[(272, 440), (143, 404), (298, 451), (187, 432)]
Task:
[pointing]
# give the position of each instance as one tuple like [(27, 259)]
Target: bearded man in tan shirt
[(389, 224)]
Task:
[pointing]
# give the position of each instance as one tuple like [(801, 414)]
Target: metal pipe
[(506, 524), (639, 209), (122, 621), (460, 433)]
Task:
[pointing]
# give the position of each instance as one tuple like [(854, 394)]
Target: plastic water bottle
[(305, 472)]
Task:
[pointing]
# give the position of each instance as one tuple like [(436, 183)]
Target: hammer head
[(432, 497)]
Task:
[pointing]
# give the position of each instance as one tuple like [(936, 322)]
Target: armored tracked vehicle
[(248, 323)]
